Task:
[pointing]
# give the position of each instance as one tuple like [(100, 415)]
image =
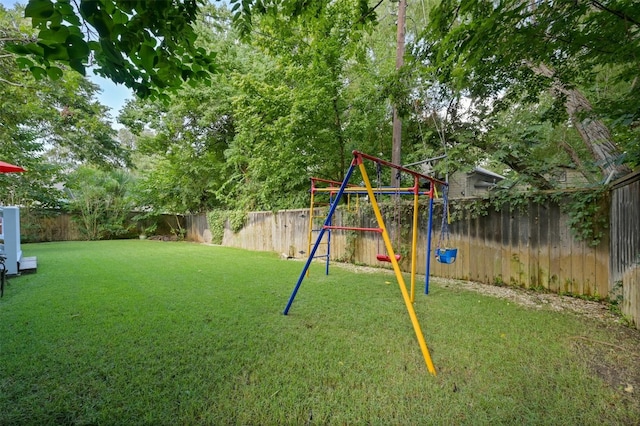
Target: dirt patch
[(538, 300), (163, 238), (615, 363), (529, 298)]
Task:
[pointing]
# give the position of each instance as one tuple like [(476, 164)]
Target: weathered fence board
[(197, 228), (625, 244), (50, 227)]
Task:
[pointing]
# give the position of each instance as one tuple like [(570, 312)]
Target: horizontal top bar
[(358, 154), (352, 228), (363, 190)]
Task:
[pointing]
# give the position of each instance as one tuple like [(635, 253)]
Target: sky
[(112, 95)]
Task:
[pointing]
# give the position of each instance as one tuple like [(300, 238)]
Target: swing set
[(337, 190)]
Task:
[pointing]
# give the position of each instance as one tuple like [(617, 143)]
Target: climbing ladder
[(317, 216), (315, 226)]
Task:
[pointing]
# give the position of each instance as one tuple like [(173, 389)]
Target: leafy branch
[(147, 46)]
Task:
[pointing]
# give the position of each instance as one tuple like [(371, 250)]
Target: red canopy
[(9, 168)]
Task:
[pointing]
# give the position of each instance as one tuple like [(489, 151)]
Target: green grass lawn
[(146, 332)]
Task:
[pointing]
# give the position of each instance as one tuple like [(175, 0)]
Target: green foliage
[(180, 145), (523, 137), (99, 202), (616, 297), (146, 46), (79, 128), (567, 37), (48, 127), (350, 218), (265, 153), (217, 219), (588, 214), (283, 110), (513, 52), (303, 106), (247, 12), (181, 164), (180, 154), (236, 219)]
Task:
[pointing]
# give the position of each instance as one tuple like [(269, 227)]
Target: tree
[(147, 46), (245, 12), (180, 145), (290, 103), (301, 111), (510, 52), (48, 127), (99, 202), (180, 152)]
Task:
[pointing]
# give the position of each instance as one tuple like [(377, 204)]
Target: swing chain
[(444, 228)]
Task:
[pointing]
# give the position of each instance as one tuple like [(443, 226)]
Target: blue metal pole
[(429, 226), (327, 222)]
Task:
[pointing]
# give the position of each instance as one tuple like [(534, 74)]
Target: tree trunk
[(396, 143), (341, 142), (594, 133), (577, 161)]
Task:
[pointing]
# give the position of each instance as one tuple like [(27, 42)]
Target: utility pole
[(396, 147)]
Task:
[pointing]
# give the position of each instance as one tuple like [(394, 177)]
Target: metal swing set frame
[(345, 187)]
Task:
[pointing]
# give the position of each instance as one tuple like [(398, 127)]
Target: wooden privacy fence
[(532, 248), (38, 227)]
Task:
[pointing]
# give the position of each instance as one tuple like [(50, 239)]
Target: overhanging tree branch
[(619, 14)]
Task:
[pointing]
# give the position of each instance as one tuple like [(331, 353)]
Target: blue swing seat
[(447, 256)]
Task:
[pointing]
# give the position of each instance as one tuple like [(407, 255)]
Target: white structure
[(475, 183), (10, 236)]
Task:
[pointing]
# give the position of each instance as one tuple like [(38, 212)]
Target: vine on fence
[(587, 209), (217, 219), (588, 214), (350, 218)]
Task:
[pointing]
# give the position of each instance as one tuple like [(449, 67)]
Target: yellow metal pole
[(396, 269), (414, 242)]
